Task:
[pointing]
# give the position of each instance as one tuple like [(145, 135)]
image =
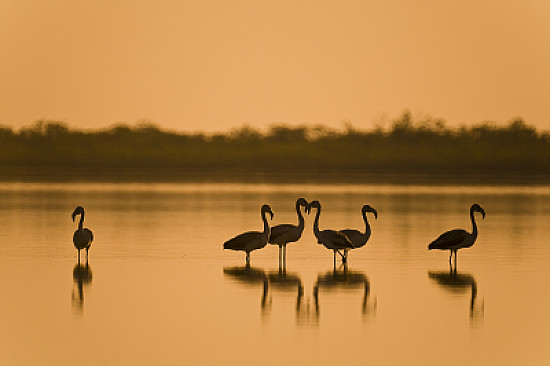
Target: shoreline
[(42, 174)]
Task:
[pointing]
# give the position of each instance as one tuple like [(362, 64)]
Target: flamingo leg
[(247, 257), (87, 254), (341, 255), (456, 258), (78, 256)]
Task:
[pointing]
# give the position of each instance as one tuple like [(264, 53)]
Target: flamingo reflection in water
[(344, 279), (283, 281), (82, 276), (250, 277), (456, 282)]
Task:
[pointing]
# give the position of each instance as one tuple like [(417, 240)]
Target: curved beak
[(271, 214), (483, 214), (73, 215), (375, 213), (308, 208)]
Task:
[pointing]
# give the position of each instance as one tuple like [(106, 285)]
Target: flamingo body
[(456, 239), (357, 238), (453, 240), (330, 239), (251, 240), (82, 237), (283, 234)]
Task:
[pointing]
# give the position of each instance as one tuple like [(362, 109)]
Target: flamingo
[(456, 239), (331, 239), (83, 237), (357, 238), (251, 240), (283, 234)]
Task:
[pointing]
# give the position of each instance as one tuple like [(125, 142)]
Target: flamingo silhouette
[(283, 234), (82, 237), (456, 239), (357, 238), (251, 240), (331, 239)]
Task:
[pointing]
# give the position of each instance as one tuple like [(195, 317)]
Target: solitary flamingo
[(357, 238), (456, 239), (331, 239), (82, 237), (251, 240), (283, 234)]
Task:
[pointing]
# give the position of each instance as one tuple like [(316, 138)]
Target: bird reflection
[(456, 282), (82, 276), (250, 276), (343, 278), (284, 281)]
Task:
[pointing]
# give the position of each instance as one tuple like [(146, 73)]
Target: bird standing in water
[(283, 234), (456, 239), (83, 237), (331, 239), (357, 238), (251, 240)]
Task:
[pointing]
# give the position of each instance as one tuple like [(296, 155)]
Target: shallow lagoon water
[(159, 289)]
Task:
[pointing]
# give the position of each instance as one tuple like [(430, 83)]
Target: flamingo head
[(477, 208), (303, 202), (313, 204), (79, 210), (368, 208), (267, 208)]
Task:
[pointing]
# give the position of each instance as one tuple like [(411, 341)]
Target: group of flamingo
[(339, 241)]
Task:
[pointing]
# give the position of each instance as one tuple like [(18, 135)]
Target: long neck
[(316, 222), (266, 224), (474, 226), (301, 221), (367, 226), (81, 221)]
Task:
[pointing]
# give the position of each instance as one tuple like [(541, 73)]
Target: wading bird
[(82, 237), (251, 240), (331, 239), (357, 238), (454, 240), (283, 234)]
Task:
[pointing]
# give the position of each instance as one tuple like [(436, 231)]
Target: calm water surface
[(159, 289)]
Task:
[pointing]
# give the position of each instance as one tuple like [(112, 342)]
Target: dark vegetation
[(426, 147)]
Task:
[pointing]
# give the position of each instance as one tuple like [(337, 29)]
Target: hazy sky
[(212, 65)]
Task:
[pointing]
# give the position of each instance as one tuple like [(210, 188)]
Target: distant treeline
[(407, 147)]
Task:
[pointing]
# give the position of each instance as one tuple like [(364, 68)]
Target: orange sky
[(212, 65)]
